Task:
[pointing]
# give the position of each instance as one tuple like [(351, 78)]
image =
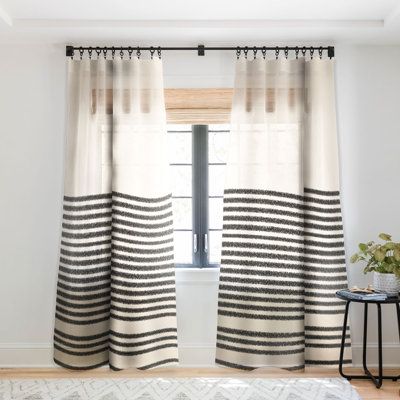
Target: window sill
[(197, 275)]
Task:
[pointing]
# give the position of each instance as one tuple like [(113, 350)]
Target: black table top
[(390, 300)]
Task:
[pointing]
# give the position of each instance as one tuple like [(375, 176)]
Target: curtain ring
[(264, 52), (112, 52), (105, 53), (238, 51), (296, 50), (320, 53), (121, 54), (159, 52), (303, 51), (98, 51), (138, 54), (254, 52), (90, 51), (245, 51), (312, 52), (130, 51), (152, 52), (286, 52), (81, 51), (276, 52)]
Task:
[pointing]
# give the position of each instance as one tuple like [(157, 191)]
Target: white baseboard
[(40, 355)]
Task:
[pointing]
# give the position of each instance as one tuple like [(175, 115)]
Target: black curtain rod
[(201, 49)]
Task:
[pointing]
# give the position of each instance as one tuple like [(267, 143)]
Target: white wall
[(32, 106)]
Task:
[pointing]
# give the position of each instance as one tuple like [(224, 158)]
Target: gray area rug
[(178, 389)]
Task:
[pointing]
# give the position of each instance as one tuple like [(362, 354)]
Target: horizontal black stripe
[(86, 244), (327, 362), (143, 317), (244, 289), (65, 312), (82, 297), (266, 283), (144, 342), (80, 338), (279, 203), (128, 275), (224, 304), (142, 260), (263, 334), (81, 322), (270, 264), (85, 263), (143, 309), (135, 250), (326, 345), (87, 346), (92, 225), (83, 280), (286, 213), (141, 199), (260, 351), (275, 229), (142, 216), (80, 353), (137, 207), (148, 300), (282, 274), (143, 351), (325, 328), (143, 334), (301, 241), (233, 365), (87, 207), (265, 299), (86, 235), (90, 197), (119, 282), (282, 221), (142, 267), (85, 271), (259, 316), (326, 312), (159, 363), (80, 367), (86, 253), (83, 217), (87, 288), (138, 225), (151, 234), (137, 293), (83, 305), (325, 337), (260, 342), (117, 239), (246, 245), (322, 192)]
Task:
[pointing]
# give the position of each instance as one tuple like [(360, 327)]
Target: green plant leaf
[(354, 258), (380, 254), (362, 247), (385, 236)]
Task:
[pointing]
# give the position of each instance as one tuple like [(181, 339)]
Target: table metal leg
[(343, 342), (365, 338)]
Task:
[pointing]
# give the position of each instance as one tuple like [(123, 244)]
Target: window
[(197, 158)]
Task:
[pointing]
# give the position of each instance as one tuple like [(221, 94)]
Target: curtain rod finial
[(331, 51), (69, 51), (200, 50)]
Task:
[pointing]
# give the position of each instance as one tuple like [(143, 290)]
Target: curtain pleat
[(282, 243), (116, 284)]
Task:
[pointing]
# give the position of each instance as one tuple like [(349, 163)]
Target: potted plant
[(383, 259)]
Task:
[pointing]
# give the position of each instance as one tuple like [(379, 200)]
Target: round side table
[(368, 375)]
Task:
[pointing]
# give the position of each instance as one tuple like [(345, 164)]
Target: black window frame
[(200, 200)]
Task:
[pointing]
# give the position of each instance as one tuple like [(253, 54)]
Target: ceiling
[(206, 21)]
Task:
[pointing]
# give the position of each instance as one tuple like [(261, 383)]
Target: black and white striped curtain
[(282, 251), (116, 282)]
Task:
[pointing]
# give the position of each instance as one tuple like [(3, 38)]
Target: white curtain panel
[(282, 251), (116, 283)]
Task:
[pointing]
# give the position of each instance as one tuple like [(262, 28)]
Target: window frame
[(200, 200)]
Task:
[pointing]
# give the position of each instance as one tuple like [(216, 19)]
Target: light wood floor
[(389, 391)]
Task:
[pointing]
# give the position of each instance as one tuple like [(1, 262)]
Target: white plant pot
[(386, 282)]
